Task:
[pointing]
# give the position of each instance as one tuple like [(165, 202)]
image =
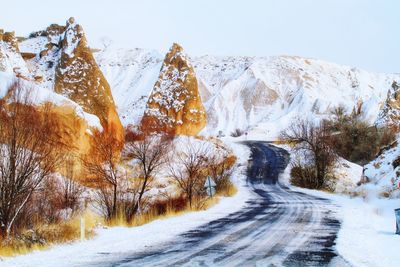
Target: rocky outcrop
[(174, 106), (61, 61), (10, 39), (11, 60), (390, 112), (78, 77), (76, 135)]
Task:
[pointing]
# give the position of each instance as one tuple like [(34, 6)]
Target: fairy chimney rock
[(175, 106)]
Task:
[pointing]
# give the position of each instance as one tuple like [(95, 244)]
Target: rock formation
[(61, 61), (10, 59), (174, 106), (390, 112), (78, 77)]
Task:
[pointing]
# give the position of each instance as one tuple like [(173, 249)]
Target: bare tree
[(357, 140), (313, 140), (71, 190), (220, 168), (187, 167), (29, 152), (102, 168), (150, 155)]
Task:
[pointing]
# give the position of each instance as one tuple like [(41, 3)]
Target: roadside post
[(397, 213), (82, 228), (210, 185)]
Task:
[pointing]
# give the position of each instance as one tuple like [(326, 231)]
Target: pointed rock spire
[(175, 106), (78, 77)]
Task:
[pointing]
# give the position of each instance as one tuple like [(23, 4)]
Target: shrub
[(312, 142), (174, 204), (41, 236), (355, 140), (303, 176), (237, 132)]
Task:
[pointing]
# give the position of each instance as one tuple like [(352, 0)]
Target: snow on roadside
[(383, 173), (367, 234), (347, 175), (124, 239)]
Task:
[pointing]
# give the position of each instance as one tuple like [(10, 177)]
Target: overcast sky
[(361, 33)]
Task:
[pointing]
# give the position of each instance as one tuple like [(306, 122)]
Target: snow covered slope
[(383, 173), (131, 75), (262, 95)]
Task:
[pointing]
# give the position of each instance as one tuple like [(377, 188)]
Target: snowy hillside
[(262, 95), (131, 75), (382, 174)]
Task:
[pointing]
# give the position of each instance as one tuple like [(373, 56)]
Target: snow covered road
[(278, 227)]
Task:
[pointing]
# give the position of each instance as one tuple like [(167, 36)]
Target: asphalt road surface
[(278, 227)]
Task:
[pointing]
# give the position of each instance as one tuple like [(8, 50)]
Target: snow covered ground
[(262, 94), (366, 237), (123, 239), (383, 173)]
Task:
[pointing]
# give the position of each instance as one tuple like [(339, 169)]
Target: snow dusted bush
[(237, 132), (192, 161), (312, 143), (29, 154)]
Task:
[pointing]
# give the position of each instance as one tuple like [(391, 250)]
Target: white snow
[(132, 75), (122, 239), (367, 234), (347, 175), (11, 61), (384, 177), (33, 45), (260, 94), (72, 39), (39, 96), (366, 237)]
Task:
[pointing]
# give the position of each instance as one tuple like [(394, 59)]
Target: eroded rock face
[(174, 106), (60, 61), (11, 60), (76, 134), (78, 77), (9, 37), (390, 112)]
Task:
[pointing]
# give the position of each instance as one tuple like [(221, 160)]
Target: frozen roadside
[(367, 234), (123, 239)]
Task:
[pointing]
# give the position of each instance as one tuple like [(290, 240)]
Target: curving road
[(278, 227)]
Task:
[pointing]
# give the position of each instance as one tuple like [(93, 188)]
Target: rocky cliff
[(390, 113), (65, 64), (11, 60), (78, 77), (260, 94), (175, 106), (57, 66)]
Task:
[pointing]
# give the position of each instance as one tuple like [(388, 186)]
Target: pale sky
[(360, 33)]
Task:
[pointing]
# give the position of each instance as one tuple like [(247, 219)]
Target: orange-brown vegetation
[(30, 152)]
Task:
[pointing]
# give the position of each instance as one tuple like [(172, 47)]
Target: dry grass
[(283, 142), (144, 218), (14, 249), (43, 236), (231, 190), (153, 214)]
